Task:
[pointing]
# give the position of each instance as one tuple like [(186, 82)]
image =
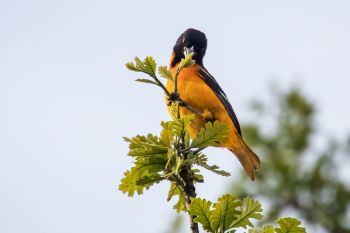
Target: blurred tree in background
[(296, 175)]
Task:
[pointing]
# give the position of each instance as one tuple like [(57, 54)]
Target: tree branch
[(187, 178), (190, 192)]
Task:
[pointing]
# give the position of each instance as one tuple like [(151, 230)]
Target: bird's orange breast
[(195, 92)]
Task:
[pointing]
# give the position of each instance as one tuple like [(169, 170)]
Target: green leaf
[(139, 64), (147, 66), (149, 180), (264, 229), (142, 80), (151, 157), (202, 161), (186, 62), (251, 209), (150, 66), (268, 229), (165, 72), (134, 178), (211, 135), (197, 177), (167, 134), (191, 158), (187, 139), (146, 146), (176, 191), (289, 225), (201, 209), (179, 126), (224, 213), (128, 186), (171, 163), (131, 66)]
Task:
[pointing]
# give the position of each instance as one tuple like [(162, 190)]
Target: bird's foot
[(174, 97)]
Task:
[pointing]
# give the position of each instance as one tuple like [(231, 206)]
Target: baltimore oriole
[(201, 91)]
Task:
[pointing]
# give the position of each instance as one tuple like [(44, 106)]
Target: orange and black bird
[(199, 89)]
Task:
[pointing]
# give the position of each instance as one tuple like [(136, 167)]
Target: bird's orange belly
[(195, 92)]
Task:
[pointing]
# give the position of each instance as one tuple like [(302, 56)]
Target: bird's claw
[(175, 97)]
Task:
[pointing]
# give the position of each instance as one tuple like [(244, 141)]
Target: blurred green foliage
[(298, 173)]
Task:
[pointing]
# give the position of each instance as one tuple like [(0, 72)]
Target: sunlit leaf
[(211, 135), (176, 191), (288, 225), (149, 145), (251, 209), (201, 209), (202, 161), (186, 62), (179, 126), (147, 66), (167, 134), (150, 66), (165, 72), (143, 170), (264, 229), (224, 212)]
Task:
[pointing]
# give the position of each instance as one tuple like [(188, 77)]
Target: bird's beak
[(188, 50)]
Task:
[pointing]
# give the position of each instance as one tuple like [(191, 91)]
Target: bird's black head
[(191, 40)]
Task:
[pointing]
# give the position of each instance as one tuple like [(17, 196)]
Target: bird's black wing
[(213, 84)]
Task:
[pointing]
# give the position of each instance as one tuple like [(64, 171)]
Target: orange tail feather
[(249, 160)]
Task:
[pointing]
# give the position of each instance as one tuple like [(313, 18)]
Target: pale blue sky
[(66, 99)]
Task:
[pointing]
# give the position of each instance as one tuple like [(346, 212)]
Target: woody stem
[(187, 177), (189, 192)]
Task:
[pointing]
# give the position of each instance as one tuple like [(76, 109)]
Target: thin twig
[(175, 79), (154, 76), (161, 85)]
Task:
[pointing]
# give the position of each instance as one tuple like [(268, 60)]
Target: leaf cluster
[(164, 157), (158, 158), (230, 213)]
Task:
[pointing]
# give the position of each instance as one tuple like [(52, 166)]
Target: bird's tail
[(249, 160)]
